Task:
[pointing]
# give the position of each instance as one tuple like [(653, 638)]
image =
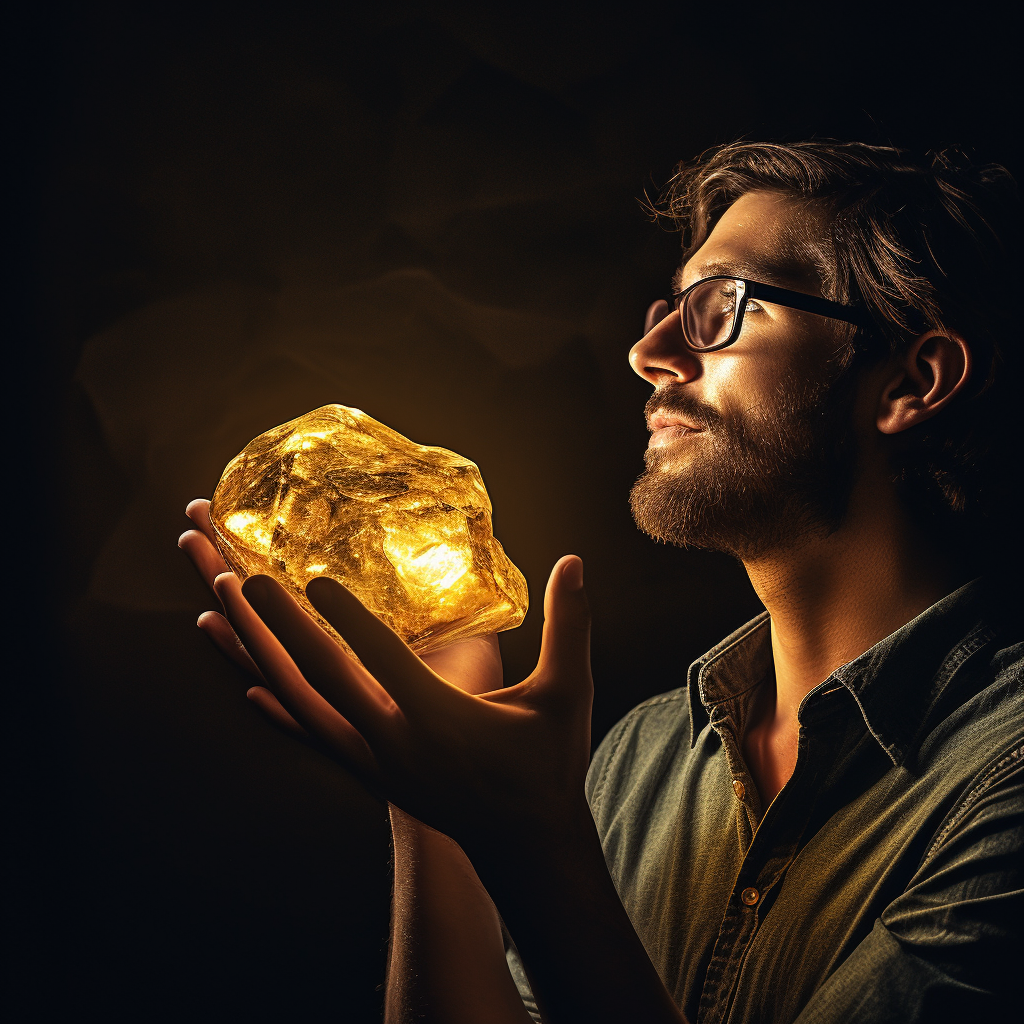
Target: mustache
[(675, 399)]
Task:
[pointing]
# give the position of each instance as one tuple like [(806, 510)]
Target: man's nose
[(661, 356)]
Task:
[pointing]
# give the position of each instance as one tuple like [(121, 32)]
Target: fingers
[(413, 686), (275, 711), (200, 544), (219, 630), (314, 718), (305, 705), (198, 510), (346, 685), (565, 645), (205, 557), (358, 757)]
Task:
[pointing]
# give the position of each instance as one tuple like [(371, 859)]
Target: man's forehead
[(762, 237)]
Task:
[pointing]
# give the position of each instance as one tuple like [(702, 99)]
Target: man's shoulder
[(1006, 663), (983, 721), (653, 720), (975, 708)]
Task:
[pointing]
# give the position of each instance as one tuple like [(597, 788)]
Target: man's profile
[(824, 819)]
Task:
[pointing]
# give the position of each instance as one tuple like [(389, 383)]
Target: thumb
[(565, 647)]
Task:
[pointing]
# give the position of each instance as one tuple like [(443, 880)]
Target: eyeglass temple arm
[(808, 303)]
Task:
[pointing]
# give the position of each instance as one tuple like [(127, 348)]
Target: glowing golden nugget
[(406, 528)]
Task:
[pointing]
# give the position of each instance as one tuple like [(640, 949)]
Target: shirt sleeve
[(515, 966), (949, 947)]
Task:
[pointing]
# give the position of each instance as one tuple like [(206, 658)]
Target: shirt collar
[(738, 663), (895, 683)]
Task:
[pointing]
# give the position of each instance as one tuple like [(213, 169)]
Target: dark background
[(233, 215)]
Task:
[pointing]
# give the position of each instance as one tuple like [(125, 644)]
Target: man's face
[(751, 446)]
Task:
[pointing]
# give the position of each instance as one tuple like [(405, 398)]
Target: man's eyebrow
[(783, 274), (716, 268)]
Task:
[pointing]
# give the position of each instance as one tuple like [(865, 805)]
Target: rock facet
[(407, 528)]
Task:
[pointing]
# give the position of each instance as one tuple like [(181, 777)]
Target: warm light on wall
[(405, 527)]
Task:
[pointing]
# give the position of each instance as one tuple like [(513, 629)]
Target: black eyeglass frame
[(747, 289)]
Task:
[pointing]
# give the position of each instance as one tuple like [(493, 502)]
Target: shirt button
[(750, 896), (739, 789)]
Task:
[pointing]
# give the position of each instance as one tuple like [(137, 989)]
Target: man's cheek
[(734, 384)]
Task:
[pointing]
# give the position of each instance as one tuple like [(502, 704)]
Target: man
[(826, 822)]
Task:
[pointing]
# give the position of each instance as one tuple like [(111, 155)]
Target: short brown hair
[(922, 243)]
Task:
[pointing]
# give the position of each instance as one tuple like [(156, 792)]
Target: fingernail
[(220, 580)]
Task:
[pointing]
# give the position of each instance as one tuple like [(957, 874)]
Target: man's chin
[(689, 507), (670, 505)]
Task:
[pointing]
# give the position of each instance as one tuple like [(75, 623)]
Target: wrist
[(409, 831)]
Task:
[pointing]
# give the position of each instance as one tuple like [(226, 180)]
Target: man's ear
[(924, 380)]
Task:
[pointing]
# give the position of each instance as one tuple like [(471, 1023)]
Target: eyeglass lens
[(709, 312)]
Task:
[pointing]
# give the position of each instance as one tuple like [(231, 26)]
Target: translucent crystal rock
[(405, 527)]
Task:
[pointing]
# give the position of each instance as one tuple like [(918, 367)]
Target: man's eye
[(752, 306)]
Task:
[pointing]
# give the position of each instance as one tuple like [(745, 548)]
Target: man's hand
[(471, 764), (500, 771), (472, 665)]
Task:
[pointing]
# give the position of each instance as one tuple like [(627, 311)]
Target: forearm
[(447, 960), (582, 955)]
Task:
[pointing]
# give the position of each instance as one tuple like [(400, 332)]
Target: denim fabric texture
[(884, 883)]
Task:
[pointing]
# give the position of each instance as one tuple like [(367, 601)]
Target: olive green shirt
[(884, 882)]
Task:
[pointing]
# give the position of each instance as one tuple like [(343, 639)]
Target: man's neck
[(833, 597)]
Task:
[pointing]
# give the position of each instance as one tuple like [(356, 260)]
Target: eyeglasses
[(711, 311)]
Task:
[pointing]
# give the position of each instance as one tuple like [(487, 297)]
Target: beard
[(756, 481)]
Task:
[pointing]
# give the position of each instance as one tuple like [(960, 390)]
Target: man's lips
[(667, 427), (666, 435)]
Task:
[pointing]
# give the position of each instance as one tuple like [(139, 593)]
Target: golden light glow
[(427, 563), (303, 441), (406, 527), (248, 528)]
